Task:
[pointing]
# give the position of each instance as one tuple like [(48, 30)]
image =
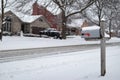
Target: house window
[(7, 24)]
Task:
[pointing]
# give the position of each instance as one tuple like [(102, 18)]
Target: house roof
[(24, 17), (27, 18)]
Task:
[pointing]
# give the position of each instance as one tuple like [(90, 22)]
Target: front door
[(25, 27)]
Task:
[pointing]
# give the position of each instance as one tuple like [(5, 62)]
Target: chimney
[(35, 8)]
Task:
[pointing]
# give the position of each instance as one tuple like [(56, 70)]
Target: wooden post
[(103, 50)]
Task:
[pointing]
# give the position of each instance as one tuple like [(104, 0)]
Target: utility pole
[(103, 49), (2, 17)]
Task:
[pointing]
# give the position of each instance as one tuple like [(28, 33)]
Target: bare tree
[(2, 16), (69, 8), (108, 9), (95, 12), (113, 14)]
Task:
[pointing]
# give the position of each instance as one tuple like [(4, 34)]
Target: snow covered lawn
[(84, 65), (16, 42)]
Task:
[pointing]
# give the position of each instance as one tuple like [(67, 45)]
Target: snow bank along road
[(11, 55)]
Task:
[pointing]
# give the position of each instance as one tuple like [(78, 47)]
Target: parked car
[(51, 32)]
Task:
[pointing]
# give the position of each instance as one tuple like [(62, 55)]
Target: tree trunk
[(110, 28), (63, 31), (2, 17), (63, 25)]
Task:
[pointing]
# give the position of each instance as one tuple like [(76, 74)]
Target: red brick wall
[(35, 9), (40, 10)]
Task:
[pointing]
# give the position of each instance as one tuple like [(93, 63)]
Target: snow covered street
[(16, 42), (84, 65), (79, 65)]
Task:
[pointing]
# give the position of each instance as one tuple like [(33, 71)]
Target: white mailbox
[(92, 32)]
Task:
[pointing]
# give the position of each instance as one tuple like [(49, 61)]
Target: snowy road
[(81, 65), (12, 55)]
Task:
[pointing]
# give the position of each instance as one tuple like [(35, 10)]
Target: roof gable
[(25, 18)]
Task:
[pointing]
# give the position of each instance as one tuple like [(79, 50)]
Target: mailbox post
[(103, 50), (95, 32)]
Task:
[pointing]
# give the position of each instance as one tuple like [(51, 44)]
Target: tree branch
[(89, 4)]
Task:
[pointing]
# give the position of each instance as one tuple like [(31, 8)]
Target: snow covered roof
[(24, 17), (91, 28), (76, 23), (27, 18)]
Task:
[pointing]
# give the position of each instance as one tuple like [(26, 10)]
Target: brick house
[(16, 22), (50, 17)]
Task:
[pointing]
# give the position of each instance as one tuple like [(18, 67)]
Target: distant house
[(16, 22), (74, 26), (85, 24), (50, 17)]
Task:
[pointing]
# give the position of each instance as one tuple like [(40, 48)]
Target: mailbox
[(92, 32)]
